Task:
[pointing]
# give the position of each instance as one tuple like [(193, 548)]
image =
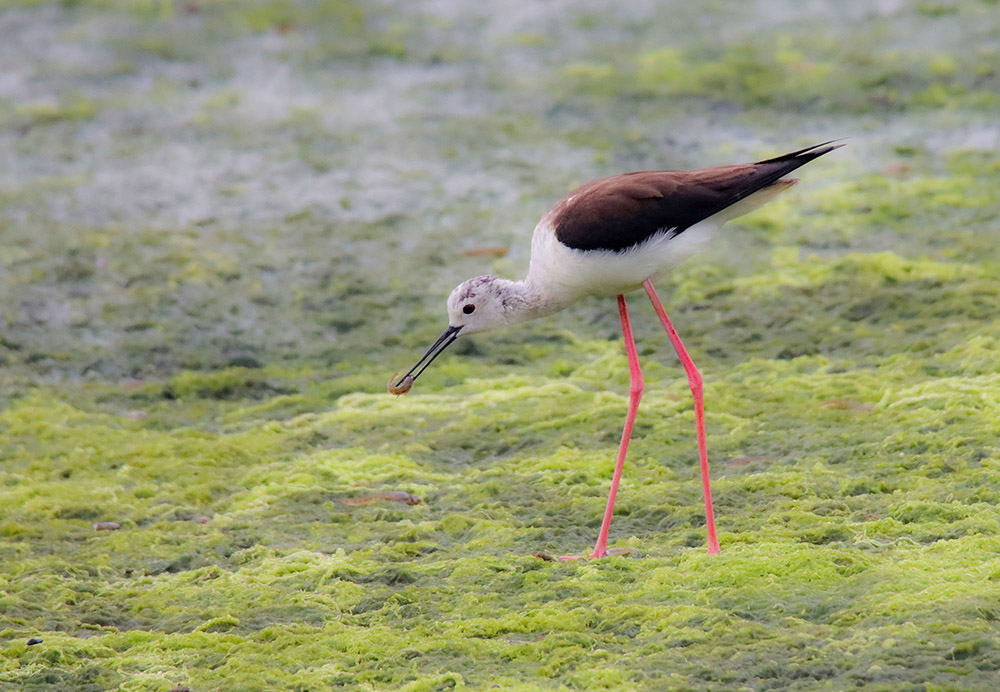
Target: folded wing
[(623, 211)]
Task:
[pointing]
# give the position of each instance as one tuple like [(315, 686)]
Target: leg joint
[(637, 386), (694, 380)]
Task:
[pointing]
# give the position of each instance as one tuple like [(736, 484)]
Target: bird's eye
[(469, 309)]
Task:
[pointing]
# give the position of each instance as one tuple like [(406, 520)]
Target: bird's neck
[(524, 300)]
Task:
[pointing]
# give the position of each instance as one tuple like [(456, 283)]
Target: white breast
[(566, 275)]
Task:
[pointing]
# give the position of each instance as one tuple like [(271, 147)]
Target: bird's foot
[(599, 553), (594, 555)]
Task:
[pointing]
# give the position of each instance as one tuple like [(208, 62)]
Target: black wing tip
[(809, 153)]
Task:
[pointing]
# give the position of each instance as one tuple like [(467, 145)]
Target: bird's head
[(479, 304), (476, 305)]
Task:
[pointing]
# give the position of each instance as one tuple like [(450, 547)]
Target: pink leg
[(635, 394), (697, 391)]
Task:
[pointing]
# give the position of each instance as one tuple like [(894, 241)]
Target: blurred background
[(190, 185)]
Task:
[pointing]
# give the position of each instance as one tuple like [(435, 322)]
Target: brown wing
[(621, 212)]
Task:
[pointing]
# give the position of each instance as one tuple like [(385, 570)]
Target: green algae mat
[(223, 225)]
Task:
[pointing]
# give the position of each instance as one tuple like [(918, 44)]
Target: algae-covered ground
[(223, 225)]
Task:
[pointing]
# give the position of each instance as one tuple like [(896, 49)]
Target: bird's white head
[(482, 303), (476, 305)]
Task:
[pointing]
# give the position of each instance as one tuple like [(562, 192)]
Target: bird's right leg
[(698, 393), (636, 385)]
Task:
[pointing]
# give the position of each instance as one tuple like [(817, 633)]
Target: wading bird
[(608, 238)]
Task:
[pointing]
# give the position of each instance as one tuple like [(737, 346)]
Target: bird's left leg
[(697, 392), (636, 385)]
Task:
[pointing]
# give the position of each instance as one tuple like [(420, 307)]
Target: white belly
[(568, 275)]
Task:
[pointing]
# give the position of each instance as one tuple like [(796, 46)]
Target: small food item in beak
[(401, 387)]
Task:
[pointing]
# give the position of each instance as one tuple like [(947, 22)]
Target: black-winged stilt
[(610, 237)]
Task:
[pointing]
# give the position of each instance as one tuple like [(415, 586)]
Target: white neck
[(523, 301)]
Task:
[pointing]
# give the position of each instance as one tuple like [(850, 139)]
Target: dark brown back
[(620, 212)]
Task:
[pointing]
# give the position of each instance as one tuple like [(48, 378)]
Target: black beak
[(443, 342)]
